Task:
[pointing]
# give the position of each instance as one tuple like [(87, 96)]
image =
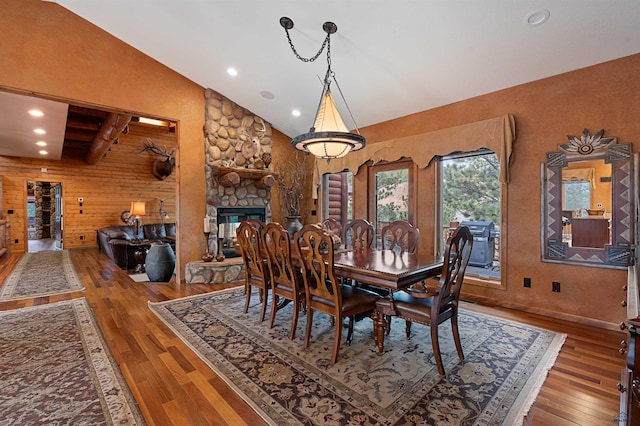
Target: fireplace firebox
[(231, 217)]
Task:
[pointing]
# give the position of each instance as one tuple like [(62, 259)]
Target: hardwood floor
[(42, 244), (174, 387)]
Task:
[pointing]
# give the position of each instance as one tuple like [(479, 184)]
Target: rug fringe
[(531, 392)]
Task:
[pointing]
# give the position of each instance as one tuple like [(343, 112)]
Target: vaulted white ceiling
[(391, 58)]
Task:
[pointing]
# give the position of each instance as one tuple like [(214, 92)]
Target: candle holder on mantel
[(207, 257), (220, 255)]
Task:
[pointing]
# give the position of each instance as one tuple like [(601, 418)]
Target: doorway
[(44, 216)]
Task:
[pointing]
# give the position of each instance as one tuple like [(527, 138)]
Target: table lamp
[(137, 210)]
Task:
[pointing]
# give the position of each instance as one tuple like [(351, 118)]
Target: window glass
[(471, 195), (390, 192), (577, 195), (391, 198)]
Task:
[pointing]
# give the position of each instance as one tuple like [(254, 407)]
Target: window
[(577, 195), (391, 194), (471, 194)]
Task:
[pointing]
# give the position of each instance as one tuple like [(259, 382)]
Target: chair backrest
[(332, 225), (316, 253), (358, 234), (277, 248), (401, 236), (456, 256), (250, 244), (256, 223)]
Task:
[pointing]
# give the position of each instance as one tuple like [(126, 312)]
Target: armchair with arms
[(432, 307)]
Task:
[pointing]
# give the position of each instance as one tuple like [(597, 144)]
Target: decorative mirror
[(589, 201)]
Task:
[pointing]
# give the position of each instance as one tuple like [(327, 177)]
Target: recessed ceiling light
[(36, 113), (153, 121), (43, 152), (232, 71), (536, 17), (267, 95), (39, 131), (295, 113), (41, 143)]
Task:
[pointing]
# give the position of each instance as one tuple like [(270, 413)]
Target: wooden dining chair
[(256, 223), (435, 306), (332, 225), (286, 281), (401, 236), (256, 273), (323, 291), (358, 234)]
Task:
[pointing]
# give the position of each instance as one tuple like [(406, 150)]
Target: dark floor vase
[(293, 225), (160, 263)]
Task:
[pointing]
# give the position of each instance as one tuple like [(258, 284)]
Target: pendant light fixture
[(329, 138)]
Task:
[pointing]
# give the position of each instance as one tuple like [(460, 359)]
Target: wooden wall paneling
[(107, 188)]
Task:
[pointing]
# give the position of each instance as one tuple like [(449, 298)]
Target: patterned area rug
[(57, 370), (41, 274), (504, 368)]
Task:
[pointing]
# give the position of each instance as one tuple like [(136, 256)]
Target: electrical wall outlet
[(527, 282), (555, 286)]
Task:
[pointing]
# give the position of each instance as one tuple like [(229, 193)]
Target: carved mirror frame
[(624, 166)]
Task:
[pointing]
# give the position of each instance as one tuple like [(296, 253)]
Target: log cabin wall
[(107, 188)]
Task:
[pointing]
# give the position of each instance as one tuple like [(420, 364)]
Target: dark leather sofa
[(116, 241)]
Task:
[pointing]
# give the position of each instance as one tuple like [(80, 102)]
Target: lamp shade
[(329, 138), (137, 208)]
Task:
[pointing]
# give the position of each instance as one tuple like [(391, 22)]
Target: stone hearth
[(227, 271)]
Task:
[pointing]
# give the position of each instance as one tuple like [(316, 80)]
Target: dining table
[(385, 269)]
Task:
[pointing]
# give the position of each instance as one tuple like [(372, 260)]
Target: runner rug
[(41, 274), (504, 368), (57, 369)]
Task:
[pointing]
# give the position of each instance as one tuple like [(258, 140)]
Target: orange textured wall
[(606, 96), (49, 51)]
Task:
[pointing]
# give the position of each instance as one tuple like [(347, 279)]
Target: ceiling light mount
[(329, 138), (536, 17)]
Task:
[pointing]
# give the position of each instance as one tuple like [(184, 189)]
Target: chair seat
[(352, 297), (414, 309)]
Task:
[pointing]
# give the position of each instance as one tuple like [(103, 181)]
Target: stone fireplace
[(238, 176)]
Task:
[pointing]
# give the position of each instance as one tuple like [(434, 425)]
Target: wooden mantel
[(230, 176)]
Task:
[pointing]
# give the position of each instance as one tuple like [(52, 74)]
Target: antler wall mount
[(165, 164)]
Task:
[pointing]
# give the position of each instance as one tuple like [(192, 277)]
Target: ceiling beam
[(107, 135)]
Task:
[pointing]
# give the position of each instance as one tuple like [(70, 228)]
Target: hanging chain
[(313, 58)]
